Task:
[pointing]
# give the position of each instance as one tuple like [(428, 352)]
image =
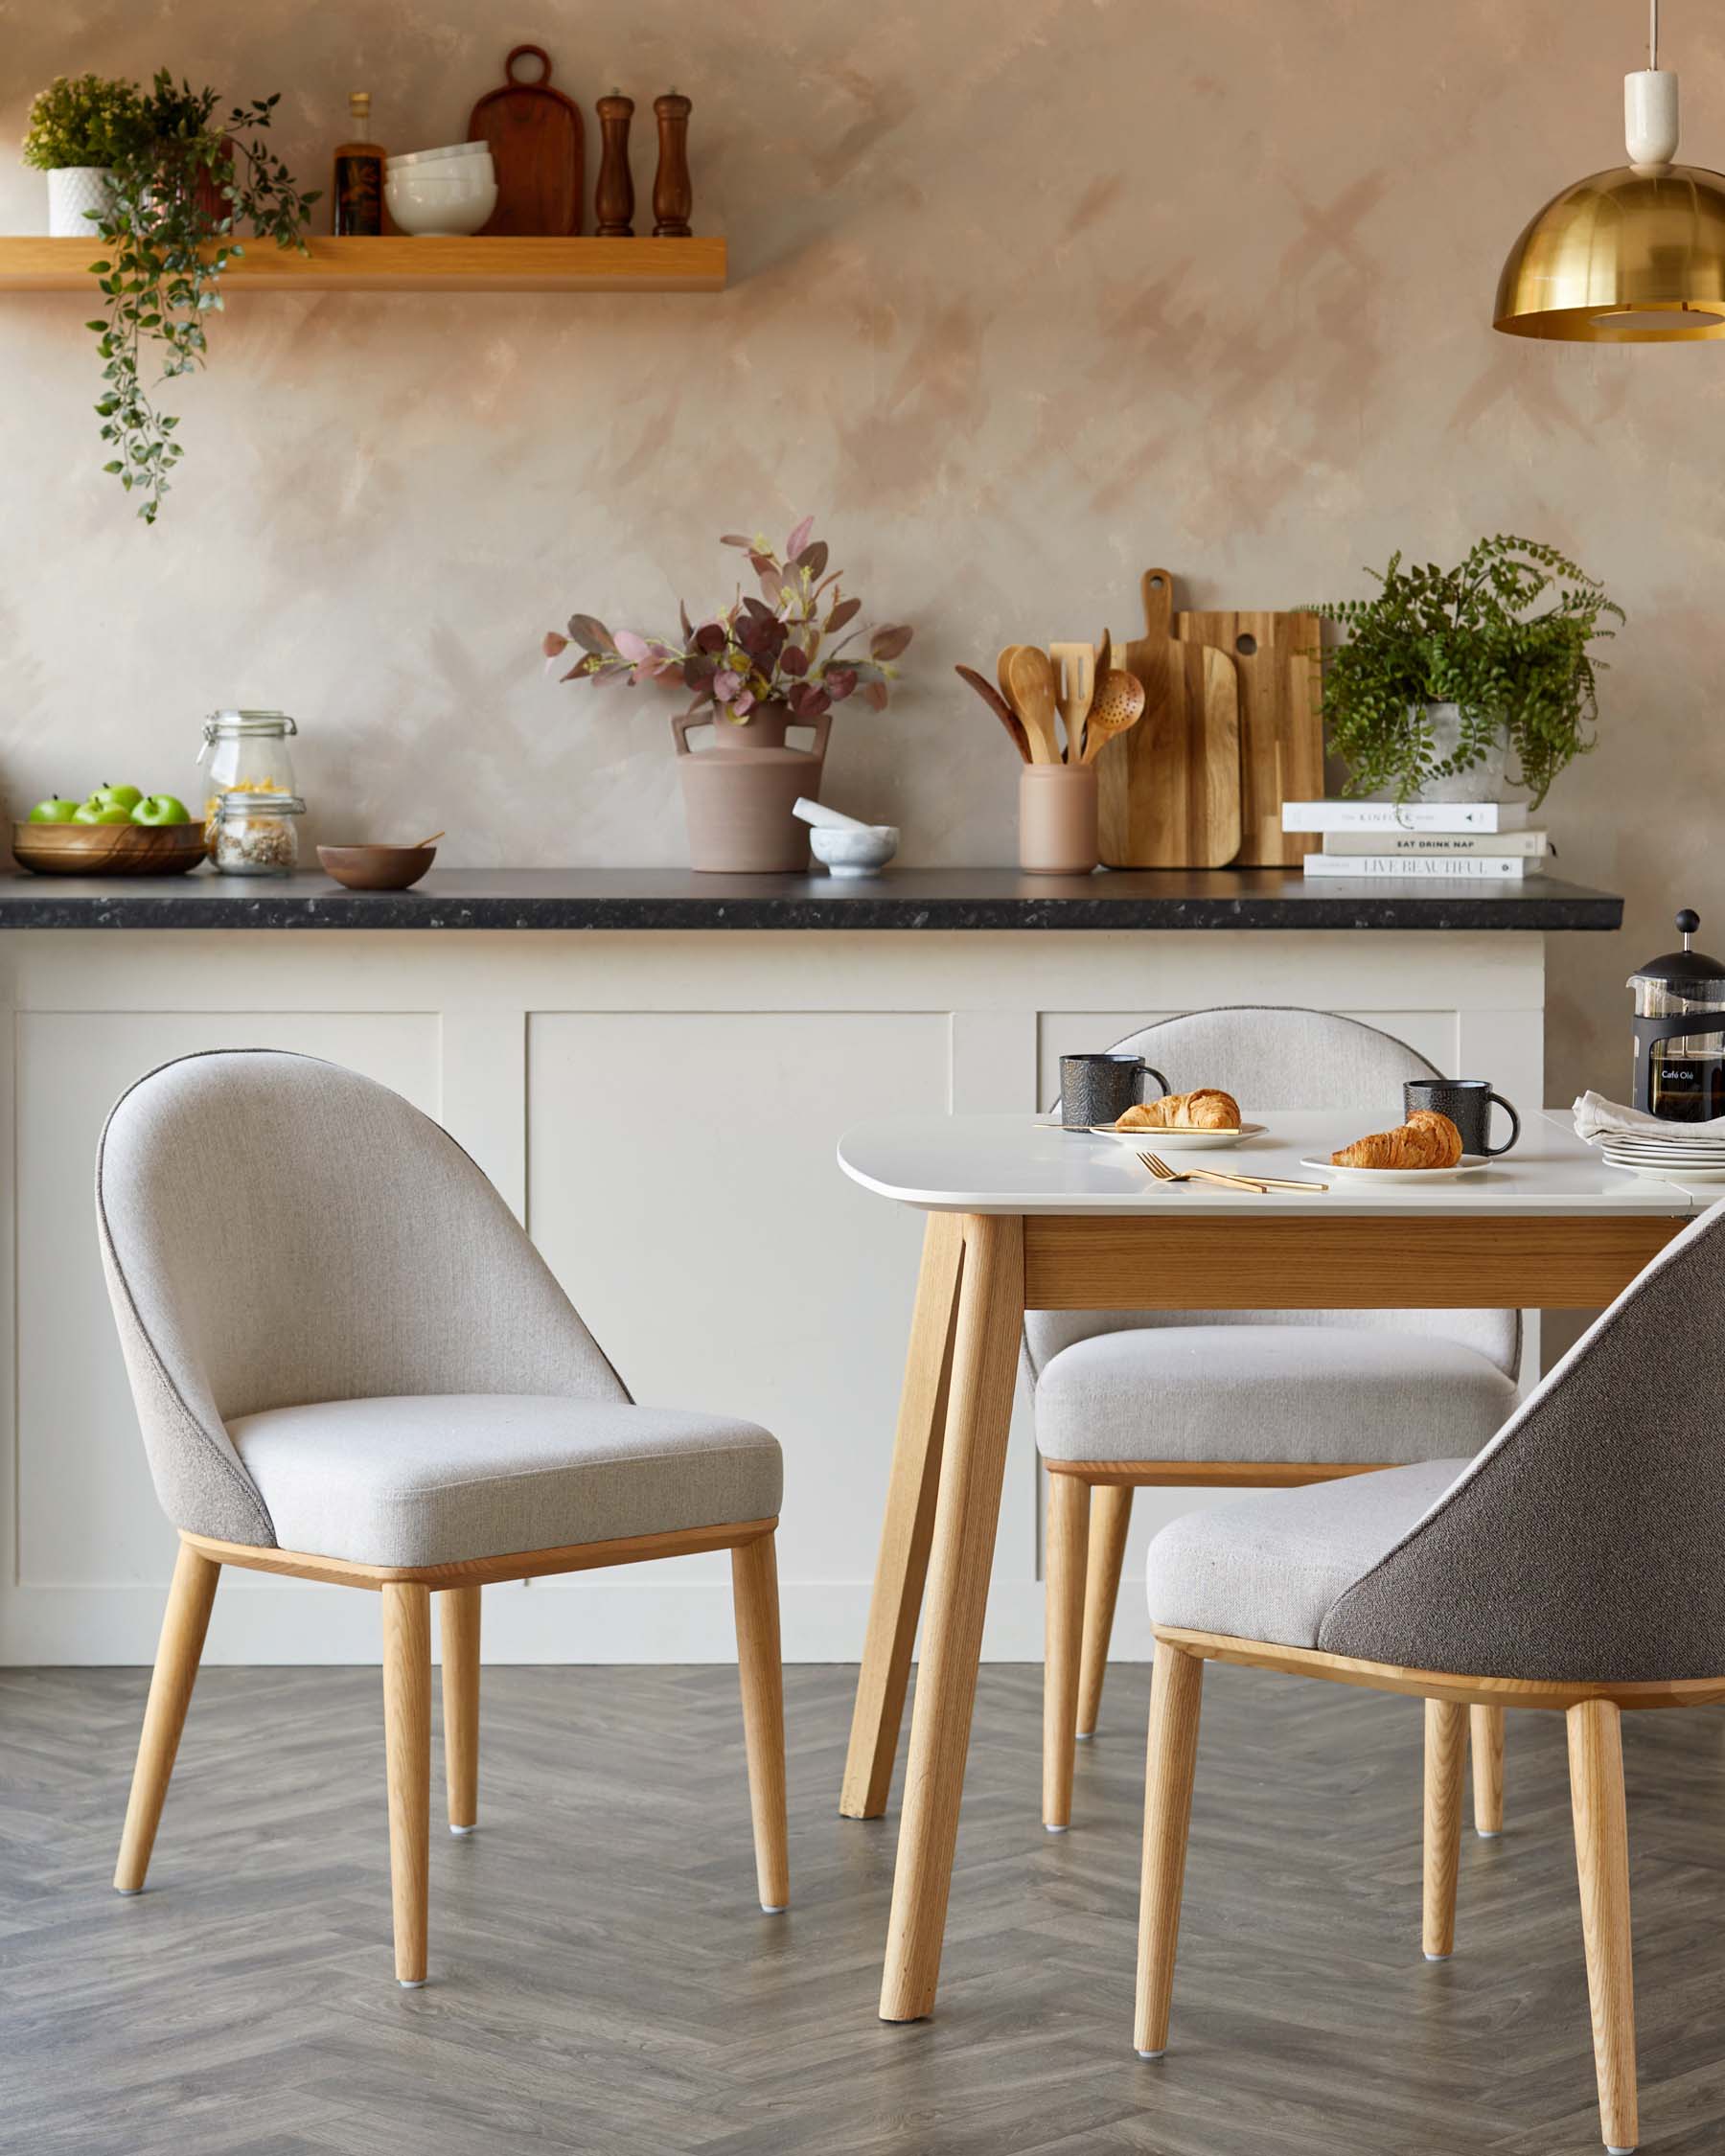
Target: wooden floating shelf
[(502, 265)]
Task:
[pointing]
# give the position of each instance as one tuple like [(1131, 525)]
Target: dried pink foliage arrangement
[(770, 649)]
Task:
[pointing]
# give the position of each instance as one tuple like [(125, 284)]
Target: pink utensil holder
[(1057, 819)]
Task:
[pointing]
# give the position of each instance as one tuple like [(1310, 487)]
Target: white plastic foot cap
[(1612, 2149), (1153, 2055), (1436, 1957), (774, 1908), (1084, 1736), (1048, 1829), (463, 1831), (130, 1893), (1488, 1833), (411, 1984)]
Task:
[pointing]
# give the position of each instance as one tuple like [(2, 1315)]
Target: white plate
[(1658, 1149), (1672, 1172), (1177, 1141), (1470, 1165)]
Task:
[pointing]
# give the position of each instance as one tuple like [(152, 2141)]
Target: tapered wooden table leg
[(1445, 1762), (1486, 1725), (1062, 1598), (407, 1756), (458, 1623), (1111, 1518), (1176, 1694), (1596, 1757), (972, 1470), (910, 1523), (184, 1624), (754, 1594)]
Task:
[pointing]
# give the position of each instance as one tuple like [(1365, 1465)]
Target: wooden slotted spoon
[(1075, 676), (1118, 704), (1030, 692)]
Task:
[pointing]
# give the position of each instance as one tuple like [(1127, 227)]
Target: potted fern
[(1450, 676)]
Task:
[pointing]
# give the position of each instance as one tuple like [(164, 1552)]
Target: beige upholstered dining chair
[(352, 1365), (1573, 1564), (1128, 1399)]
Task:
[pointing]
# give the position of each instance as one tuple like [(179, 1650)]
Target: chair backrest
[(1271, 1057), (277, 1230), (1583, 1543)]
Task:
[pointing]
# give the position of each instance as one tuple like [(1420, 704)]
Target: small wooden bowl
[(109, 849), (376, 868)]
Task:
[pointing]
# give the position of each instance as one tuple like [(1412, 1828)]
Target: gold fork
[(1161, 1171)]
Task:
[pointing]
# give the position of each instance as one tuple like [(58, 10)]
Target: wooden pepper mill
[(673, 194), (614, 198)]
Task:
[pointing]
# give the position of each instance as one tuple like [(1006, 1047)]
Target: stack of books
[(1481, 840)]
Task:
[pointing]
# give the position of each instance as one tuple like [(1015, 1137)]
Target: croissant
[(1209, 1108), (1425, 1141)]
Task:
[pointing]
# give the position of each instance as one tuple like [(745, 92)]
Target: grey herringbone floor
[(602, 1980)]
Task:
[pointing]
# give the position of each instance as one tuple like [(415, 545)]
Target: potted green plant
[(754, 669), (79, 129), (1447, 675), (180, 187)]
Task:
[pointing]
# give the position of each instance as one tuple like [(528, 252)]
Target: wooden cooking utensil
[(1075, 683), (1118, 704), (997, 704), (1170, 790), (538, 148), (431, 841), (1281, 730), (1030, 692)]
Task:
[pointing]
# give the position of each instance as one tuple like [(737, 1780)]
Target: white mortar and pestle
[(843, 846)]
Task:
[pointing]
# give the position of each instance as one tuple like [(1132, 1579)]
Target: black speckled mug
[(1467, 1103), (1098, 1090)]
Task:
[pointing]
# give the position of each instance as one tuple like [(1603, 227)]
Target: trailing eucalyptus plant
[(1505, 636), (182, 188)]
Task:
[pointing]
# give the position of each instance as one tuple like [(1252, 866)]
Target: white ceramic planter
[(73, 192), (1483, 781)]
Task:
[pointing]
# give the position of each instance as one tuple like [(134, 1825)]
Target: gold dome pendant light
[(1631, 256)]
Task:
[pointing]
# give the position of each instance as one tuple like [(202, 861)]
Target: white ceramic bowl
[(425, 159), (855, 853), (439, 209)]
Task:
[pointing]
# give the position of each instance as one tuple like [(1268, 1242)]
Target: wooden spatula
[(997, 704), (1030, 692), (1075, 683), (1117, 703)]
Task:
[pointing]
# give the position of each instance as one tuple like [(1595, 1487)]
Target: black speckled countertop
[(909, 897)]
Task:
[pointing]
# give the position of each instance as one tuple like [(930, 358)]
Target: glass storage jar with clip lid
[(244, 752), (254, 834)]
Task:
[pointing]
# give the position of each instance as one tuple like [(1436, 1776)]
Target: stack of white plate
[(1686, 1155)]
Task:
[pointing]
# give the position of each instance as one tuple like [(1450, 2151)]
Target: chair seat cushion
[(435, 1479), (1271, 1566), (1269, 1392)]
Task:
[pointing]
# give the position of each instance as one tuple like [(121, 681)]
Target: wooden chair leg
[(1596, 1759), (1176, 1694), (1063, 1600), (458, 1623), (1486, 1724), (184, 1624), (907, 1529), (407, 1755), (755, 1593), (1446, 1764), (1111, 1518)]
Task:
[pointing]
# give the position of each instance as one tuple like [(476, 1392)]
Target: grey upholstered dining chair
[(1126, 1399), (1573, 1564), (350, 1364)]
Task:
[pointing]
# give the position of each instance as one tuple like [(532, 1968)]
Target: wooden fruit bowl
[(109, 849)]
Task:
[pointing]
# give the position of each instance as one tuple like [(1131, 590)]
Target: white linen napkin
[(1597, 1117)]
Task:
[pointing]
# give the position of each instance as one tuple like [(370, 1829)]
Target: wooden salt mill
[(673, 192), (614, 198)]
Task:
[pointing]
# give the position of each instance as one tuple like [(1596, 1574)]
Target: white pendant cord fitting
[(1650, 109)]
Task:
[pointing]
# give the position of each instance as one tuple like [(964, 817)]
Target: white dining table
[(1023, 1215)]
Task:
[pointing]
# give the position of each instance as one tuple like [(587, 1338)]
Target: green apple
[(54, 811), (124, 797), (159, 809), (95, 811)]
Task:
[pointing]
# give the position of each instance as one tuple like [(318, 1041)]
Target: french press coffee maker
[(1680, 1032)]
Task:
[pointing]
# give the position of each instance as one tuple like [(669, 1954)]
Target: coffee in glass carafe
[(1680, 1032)]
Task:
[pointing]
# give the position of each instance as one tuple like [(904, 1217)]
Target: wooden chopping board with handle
[(1169, 789), (1281, 729), (538, 148)]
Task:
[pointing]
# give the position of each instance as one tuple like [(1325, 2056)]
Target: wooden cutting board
[(1169, 791), (1281, 730), (539, 147)]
